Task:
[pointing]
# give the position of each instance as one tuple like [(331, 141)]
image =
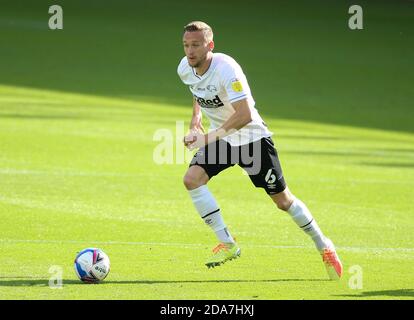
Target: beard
[(199, 63)]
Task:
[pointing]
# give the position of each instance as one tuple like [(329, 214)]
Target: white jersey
[(222, 84)]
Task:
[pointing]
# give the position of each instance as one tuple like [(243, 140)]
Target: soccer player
[(238, 135)]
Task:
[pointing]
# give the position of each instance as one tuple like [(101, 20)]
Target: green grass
[(83, 175), (79, 109)]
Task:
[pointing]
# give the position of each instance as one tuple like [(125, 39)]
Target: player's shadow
[(37, 282), (389, 293)]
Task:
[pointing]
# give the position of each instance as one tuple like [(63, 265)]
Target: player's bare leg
[(195, 180), (286, 201), (195, 177)]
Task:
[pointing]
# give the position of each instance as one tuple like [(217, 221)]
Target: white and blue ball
[(92, 265)]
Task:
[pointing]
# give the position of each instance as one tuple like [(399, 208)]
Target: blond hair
[(200, 26)]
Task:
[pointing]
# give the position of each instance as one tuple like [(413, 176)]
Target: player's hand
[(200, 141), (195, 139), (191, 137)]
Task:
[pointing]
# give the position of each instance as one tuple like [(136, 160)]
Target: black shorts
[(259, 159)]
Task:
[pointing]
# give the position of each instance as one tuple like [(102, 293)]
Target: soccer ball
[(92, 265)]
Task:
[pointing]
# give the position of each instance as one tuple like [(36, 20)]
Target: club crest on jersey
[(209, 103), (211, 88)]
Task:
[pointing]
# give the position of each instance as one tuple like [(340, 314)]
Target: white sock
[(209, 211), (303, 218)]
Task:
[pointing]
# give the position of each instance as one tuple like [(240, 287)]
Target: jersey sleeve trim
[(238, 98)]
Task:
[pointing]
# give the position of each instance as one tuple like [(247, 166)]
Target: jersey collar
[(207, 71)]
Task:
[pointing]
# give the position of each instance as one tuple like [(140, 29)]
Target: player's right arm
[(196, 120), (195, 124)]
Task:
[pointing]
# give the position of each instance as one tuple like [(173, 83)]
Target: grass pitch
[(79, 109)]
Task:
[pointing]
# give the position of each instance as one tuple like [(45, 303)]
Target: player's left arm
[(241, 117)]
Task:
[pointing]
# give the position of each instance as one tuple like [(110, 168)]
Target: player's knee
[(191, 181), (284, 204), (283, 200), (188, 181)]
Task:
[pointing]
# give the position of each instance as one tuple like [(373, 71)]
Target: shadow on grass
[(321, 86), (327, 153), (35, 282), (389, 293), (388, 165), (309, 137), (109, 117), (43, 117), (396, 150), (348, 154)]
